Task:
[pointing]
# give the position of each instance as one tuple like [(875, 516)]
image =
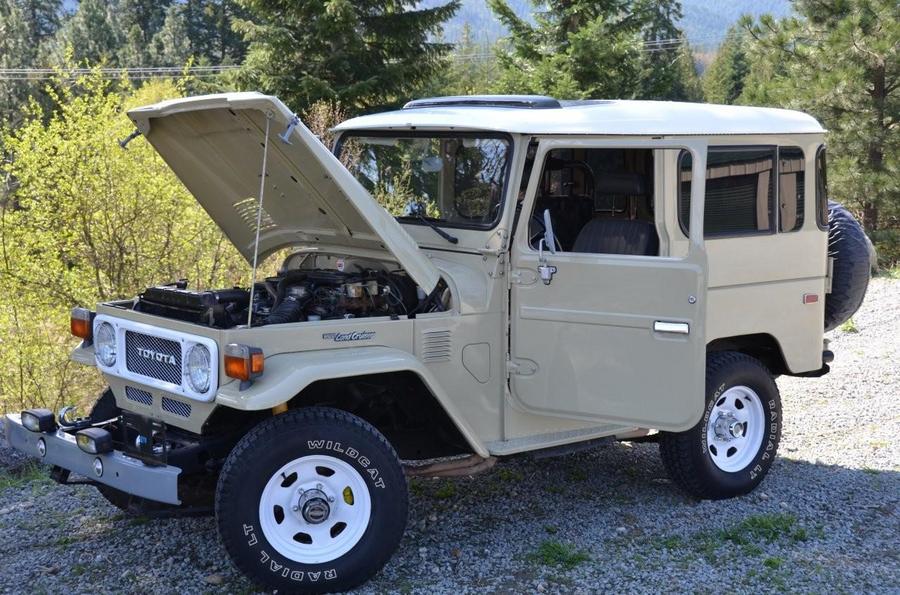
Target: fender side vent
[(436, 346), (176, 407), (138, 396)]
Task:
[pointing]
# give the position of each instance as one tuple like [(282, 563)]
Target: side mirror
[(549, 237)]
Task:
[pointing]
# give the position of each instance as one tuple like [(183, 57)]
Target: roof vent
[(511, 101)]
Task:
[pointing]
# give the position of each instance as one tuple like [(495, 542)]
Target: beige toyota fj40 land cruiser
[(560, 272)]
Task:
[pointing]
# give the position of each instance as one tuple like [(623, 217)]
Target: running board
[(567, 449)]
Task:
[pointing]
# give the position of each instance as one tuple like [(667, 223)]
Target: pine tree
[(26, 28), (576, 49), (668, 66), (138, 21), (723, 81), (92, 34), (840, 61), (171, 45), (42, 18), (363, 53), (471, 70)]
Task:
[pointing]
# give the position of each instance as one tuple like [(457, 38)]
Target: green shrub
[(82, 221), (887, 245)]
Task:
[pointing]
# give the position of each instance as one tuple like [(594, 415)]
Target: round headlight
[(198, 368), (105, 344)]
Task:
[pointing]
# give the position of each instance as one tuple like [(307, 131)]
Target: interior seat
[(604, 235), (615, 235)]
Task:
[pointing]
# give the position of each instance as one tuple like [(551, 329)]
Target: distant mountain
[(704, 22)]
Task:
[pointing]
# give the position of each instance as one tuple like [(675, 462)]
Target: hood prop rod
[(259, 212)]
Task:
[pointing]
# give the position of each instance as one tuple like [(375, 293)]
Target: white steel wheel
[(735, 430), (315, 509)]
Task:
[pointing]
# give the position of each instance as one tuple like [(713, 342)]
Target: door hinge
[(522, 277), (521, 367)]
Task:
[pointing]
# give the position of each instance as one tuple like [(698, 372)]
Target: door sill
[(539, 441)]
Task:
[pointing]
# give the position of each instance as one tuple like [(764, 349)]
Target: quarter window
[(791, 188), (821, 190), (739, 191)]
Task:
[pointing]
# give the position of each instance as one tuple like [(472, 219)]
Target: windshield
[(455, 179)]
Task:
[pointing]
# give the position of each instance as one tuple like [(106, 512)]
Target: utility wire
[(135, 72)]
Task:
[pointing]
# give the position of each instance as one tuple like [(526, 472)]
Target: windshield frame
[(406, 133)]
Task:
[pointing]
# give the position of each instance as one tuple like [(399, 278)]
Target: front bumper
[(120, 471)]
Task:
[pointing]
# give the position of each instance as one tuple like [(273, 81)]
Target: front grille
[(138, 396), (176, 407), (153, 357)]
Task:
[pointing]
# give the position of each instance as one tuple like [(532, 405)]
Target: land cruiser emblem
[(156, 356), (352, 336)]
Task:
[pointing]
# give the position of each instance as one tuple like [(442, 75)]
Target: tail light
[(243, 363), (82, 323)]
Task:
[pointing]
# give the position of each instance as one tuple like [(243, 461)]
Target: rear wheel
[(733, 446), (312, 500)]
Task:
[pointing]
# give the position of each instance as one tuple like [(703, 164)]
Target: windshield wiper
[(437, 230)]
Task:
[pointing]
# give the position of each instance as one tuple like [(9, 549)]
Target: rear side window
[(739, 191), (791, 188), (821, 190)]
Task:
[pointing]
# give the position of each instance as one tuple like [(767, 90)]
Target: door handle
[(678, 328)]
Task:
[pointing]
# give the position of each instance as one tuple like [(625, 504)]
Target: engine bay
[(296, 295)]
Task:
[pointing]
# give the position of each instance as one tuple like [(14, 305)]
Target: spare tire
[(849, 247)]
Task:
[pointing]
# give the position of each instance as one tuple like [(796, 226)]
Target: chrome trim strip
[(678, 328)]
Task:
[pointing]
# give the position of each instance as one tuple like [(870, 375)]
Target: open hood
[(214, 144)]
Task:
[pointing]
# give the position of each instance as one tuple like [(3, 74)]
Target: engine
[(294, 296)]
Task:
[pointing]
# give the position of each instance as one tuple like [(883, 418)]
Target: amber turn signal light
[(243, 362), (81, 323)]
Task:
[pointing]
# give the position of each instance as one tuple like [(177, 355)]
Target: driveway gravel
[(825, 519)]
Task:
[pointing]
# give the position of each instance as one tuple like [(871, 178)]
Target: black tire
[(850, 248), (686, 455), (280, 440)]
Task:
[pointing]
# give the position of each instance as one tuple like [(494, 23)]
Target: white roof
[(613, 117)]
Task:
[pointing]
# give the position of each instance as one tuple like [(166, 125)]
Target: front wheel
[(313, 500), (730, 451)]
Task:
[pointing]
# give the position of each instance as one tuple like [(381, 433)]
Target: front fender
[(287, 374)]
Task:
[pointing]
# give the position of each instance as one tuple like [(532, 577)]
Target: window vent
[(176, 407), (436, 346)]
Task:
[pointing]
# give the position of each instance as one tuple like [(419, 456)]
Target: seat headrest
[(621, 183)]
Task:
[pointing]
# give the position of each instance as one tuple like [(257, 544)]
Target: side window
[(601, 201), (821, 190), (791, 188), (739, 191)]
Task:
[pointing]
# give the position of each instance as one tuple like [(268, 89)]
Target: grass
[(849, 326), (506, 474), (890, 273), (557, 553), (765, 527), (446, 491), (749, 535), (773, 563), (28, 473)]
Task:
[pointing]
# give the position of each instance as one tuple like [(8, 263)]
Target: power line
[(135, 72)]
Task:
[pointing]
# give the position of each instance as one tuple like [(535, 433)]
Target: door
[(615, 332)]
